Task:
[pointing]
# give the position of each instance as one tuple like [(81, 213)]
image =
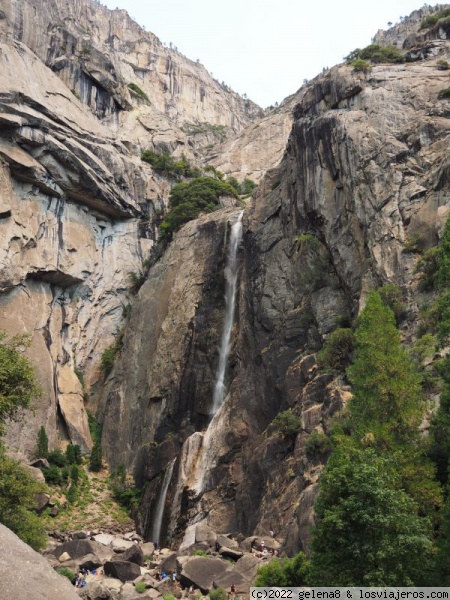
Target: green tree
[(70, 454), (18, 386), (387, 396), (287, 423), (42, 443), (18, 492), (96, 458), (369, 532)]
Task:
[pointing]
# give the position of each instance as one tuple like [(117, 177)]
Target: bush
[(65, 572), (53, 475), (428, 266), (247, 186), (442, 65), (200, 553), (165, 164), (336, 353), (74, 474), (432, 20), (57, 457), (287, 423), (444, 94), (137, 90), (109, 354), (289, 572), (140, 587), (376, 54), (218, 594), (124, 489), (391, 296), (361, 66), (317, 445), (188, 199)]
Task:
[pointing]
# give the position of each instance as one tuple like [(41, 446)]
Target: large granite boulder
[(123, 570), (200, 571), (134, 554), (75, 549), (27, 574)]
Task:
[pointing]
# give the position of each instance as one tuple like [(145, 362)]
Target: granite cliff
[(350, 168)]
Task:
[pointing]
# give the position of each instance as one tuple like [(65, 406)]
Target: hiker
[(272, 534), (155, 544), (262, 545)]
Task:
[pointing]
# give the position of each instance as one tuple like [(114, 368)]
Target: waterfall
[(159, 512), (231, 273)]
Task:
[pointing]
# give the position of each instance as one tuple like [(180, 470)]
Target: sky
[(265, 48)]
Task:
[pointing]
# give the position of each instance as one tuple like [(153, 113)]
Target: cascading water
[(232, 272), (197, 455), (159, 511)]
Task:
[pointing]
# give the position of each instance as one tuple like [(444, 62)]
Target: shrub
[(200, 553), (218, 594), (287, 423), (137, 281), (289, 572), (165, 164), (65, 572), (53, 475), (247, 186), (96, 458), (188, 199), (412, 243), (74, 474), (428, 266), (57, 457), (444, 94), (124, 489), (140, 587), (433, 19), (317, 445), (442, 65), (391, 296), (109, 354), (361, 66), (376, 54), (137, 90), (337, 351)]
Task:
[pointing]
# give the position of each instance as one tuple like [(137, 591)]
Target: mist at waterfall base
[(195, 459)]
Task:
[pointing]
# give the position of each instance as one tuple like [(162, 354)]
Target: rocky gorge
[(352, 169)]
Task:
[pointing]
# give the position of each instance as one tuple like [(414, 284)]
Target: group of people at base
[(80, 580)]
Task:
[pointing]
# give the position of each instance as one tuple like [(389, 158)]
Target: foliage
[(42, 443), (57, 458), (413, 243), (442, 65), (433, 19), (376, 54), (287, 423), (199, 552), (137, 90), (18, 491), (391, 296), (18, 386), (368, 532), (247, 186), (444, 93), (74, 474), (53, 475), (234, 184), (289, 572), (96, 458), (427, 266), (188, 199), (165, 164), (218, 131), (140, 587), (337, 351), (109, 354), (440, 426), (317, 445), (361, 66), (218, 594), (387, 397), (65, 572), (124, 489)]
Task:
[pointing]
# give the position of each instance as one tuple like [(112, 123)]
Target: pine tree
[(95, 461), (42, 443)]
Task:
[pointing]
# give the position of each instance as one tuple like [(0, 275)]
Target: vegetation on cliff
[(18, 489)]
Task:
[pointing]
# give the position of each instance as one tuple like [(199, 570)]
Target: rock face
[(24, 569), (365, 169), (78, 209)]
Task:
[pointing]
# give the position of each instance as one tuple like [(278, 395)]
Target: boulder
[(247, 544), (231, 553), (169, 564), (23, 571), (129, 593), (96, 590), (203, 533), (120, 545), (148, 548), (76, 548), (133, 554), (64, 556), (40, 463), (104, 538), (228, 577), (200, 571), (224, 540), (123, 570), (42, 501), (80, 535), (90, 561), (247, 566)]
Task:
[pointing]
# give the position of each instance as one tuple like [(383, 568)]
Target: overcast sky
[(265, 48)]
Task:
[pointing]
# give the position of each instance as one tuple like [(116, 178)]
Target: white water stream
[(231, 274), (159, 512)]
